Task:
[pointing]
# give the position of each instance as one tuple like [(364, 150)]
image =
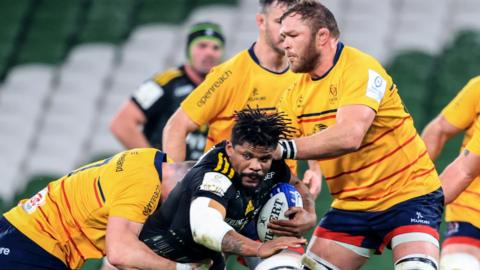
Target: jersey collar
[(338, 52), (254, 57)]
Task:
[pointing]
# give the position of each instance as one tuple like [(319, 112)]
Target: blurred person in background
[(461, 179), (255, 77), (157, 99), (94, 211)]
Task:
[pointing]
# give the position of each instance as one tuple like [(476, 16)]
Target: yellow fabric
[(463, 112), (230, 87), (69, 217), (392, 164)]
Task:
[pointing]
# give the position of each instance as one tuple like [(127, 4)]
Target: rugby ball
[(282, 197), (282, 261)]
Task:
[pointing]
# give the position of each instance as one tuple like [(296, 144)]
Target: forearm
[(331, 142), (236, 243), (434, 140), (131, 137), (455, 179), (139, 256)]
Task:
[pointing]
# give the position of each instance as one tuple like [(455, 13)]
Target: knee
[(310, 261), (416, 262), (454, 261)]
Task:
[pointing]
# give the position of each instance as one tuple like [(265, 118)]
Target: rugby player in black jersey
[(225, 190)]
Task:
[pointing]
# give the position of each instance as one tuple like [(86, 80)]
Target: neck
[(195, 76), (269, 58), (326, 59)]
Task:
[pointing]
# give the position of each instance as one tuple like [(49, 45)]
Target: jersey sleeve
[(461, 111), (136, 202), (211, 96), (150, 98), (363, 86)]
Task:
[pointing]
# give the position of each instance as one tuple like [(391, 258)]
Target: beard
[(256, 176), (308, 61)]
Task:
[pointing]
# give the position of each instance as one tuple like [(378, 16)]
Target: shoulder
[(217, 161), (167, 76)]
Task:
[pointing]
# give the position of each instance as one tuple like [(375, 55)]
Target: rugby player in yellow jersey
[(461, 179), (350, 117), (97, 210), (255, 77)]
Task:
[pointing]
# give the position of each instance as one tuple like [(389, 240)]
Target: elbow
[(117, 258), (352, 142)]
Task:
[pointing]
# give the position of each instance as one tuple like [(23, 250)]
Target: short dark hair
[(315, 14), (266, 3), (259, 128)]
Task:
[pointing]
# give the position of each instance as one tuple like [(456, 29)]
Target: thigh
[(19, 252), (462, 237), (336, 254)]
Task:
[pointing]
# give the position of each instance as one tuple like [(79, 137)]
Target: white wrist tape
[(207, 224), (289, 149), (183, 266)]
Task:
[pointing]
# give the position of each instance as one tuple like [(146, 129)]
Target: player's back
[(68, 218)]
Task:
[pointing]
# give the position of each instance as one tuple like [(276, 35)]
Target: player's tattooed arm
[(232, 243), (235, 243)]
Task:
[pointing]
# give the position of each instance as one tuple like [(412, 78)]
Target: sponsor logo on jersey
[(148, 209), (147, 94), (36, 201), (376, 86), (4, 251), (255, 96), (214, 87), (216, 183), (119, 164)]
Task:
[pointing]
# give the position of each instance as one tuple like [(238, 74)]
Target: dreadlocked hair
[(259, 128)]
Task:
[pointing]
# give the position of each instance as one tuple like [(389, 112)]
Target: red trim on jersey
[(44, 215), (65, 228), (408, 229), (385, 195), (385, 133), (316, 119), (461, 240), (43, 229), (381, 179), (96, 192), (75, 221), (465, 206), (374, 162), (355, 240), (210, 139)]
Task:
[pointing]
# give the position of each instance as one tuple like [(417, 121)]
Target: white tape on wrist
[(183, 266), (289, 149)]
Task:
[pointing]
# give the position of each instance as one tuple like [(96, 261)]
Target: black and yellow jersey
[(167, 232), (158, 98)]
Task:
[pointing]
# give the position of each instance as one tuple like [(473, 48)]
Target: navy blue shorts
[(459, 232), (20, 253), (375, 230)]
